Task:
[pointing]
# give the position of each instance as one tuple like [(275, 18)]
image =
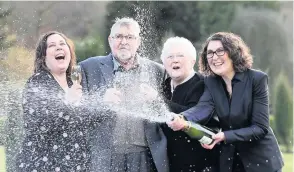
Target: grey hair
[(181, 41), (125, 21)]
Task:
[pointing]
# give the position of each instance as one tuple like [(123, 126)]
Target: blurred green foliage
[(5, 38), (194, 20), (284, 112), (13, 128), (90, 46), (2, 134)]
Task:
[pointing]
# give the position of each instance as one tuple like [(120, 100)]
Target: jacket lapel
[(219, 96), (106, 65)]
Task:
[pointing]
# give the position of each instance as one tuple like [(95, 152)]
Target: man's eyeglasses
[(218, 52), (120, 37)]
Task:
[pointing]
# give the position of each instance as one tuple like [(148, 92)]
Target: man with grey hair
[(123, 83), (182, 90)]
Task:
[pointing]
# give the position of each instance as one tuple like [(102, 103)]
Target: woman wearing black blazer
[(239, 96)]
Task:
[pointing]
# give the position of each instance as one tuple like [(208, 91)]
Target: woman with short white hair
[(182, 90)]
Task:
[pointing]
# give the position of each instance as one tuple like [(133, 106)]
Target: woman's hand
[(74, 93), (217, 138), (178, 123)]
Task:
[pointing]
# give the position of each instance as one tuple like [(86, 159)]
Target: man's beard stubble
[(124, 57)]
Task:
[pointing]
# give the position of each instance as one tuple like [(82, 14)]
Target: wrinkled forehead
[(125, 29), (214, 45)]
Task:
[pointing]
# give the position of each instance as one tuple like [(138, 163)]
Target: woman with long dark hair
[(55, 128)]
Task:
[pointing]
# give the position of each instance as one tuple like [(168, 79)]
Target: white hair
[(126, 21), (180, 41)]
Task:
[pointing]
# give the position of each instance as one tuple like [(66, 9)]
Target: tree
[(193, 20), (4, 31), (265, 33), (28, 20), (89, 47), (284, 112), (13, 128), (5, 39), (18, 67)]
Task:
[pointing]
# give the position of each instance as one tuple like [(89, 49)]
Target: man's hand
[(149, 94), (74, 93), (112, 96)]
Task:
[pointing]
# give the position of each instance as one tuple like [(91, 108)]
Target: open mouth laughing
[(60, 56)]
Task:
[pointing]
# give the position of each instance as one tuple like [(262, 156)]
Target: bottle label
[(205, 140)]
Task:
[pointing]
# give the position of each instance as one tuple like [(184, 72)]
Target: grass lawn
[(288, 158), (2, 159)]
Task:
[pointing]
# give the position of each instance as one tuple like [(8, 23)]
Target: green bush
[(273, 126), (272, 121), (13, 128), (89, 47), (2, 133), (284, 112)]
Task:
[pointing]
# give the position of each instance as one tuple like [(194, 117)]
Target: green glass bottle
[(201, 133)]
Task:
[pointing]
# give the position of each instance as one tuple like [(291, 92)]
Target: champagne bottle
[(201, 133)]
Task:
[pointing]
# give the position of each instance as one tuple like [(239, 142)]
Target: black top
[(55, 133), (185, 95), (186, 154), (238, 166)]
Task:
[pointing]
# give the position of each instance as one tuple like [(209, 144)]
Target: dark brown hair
[(236, 48), (40, 64)]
